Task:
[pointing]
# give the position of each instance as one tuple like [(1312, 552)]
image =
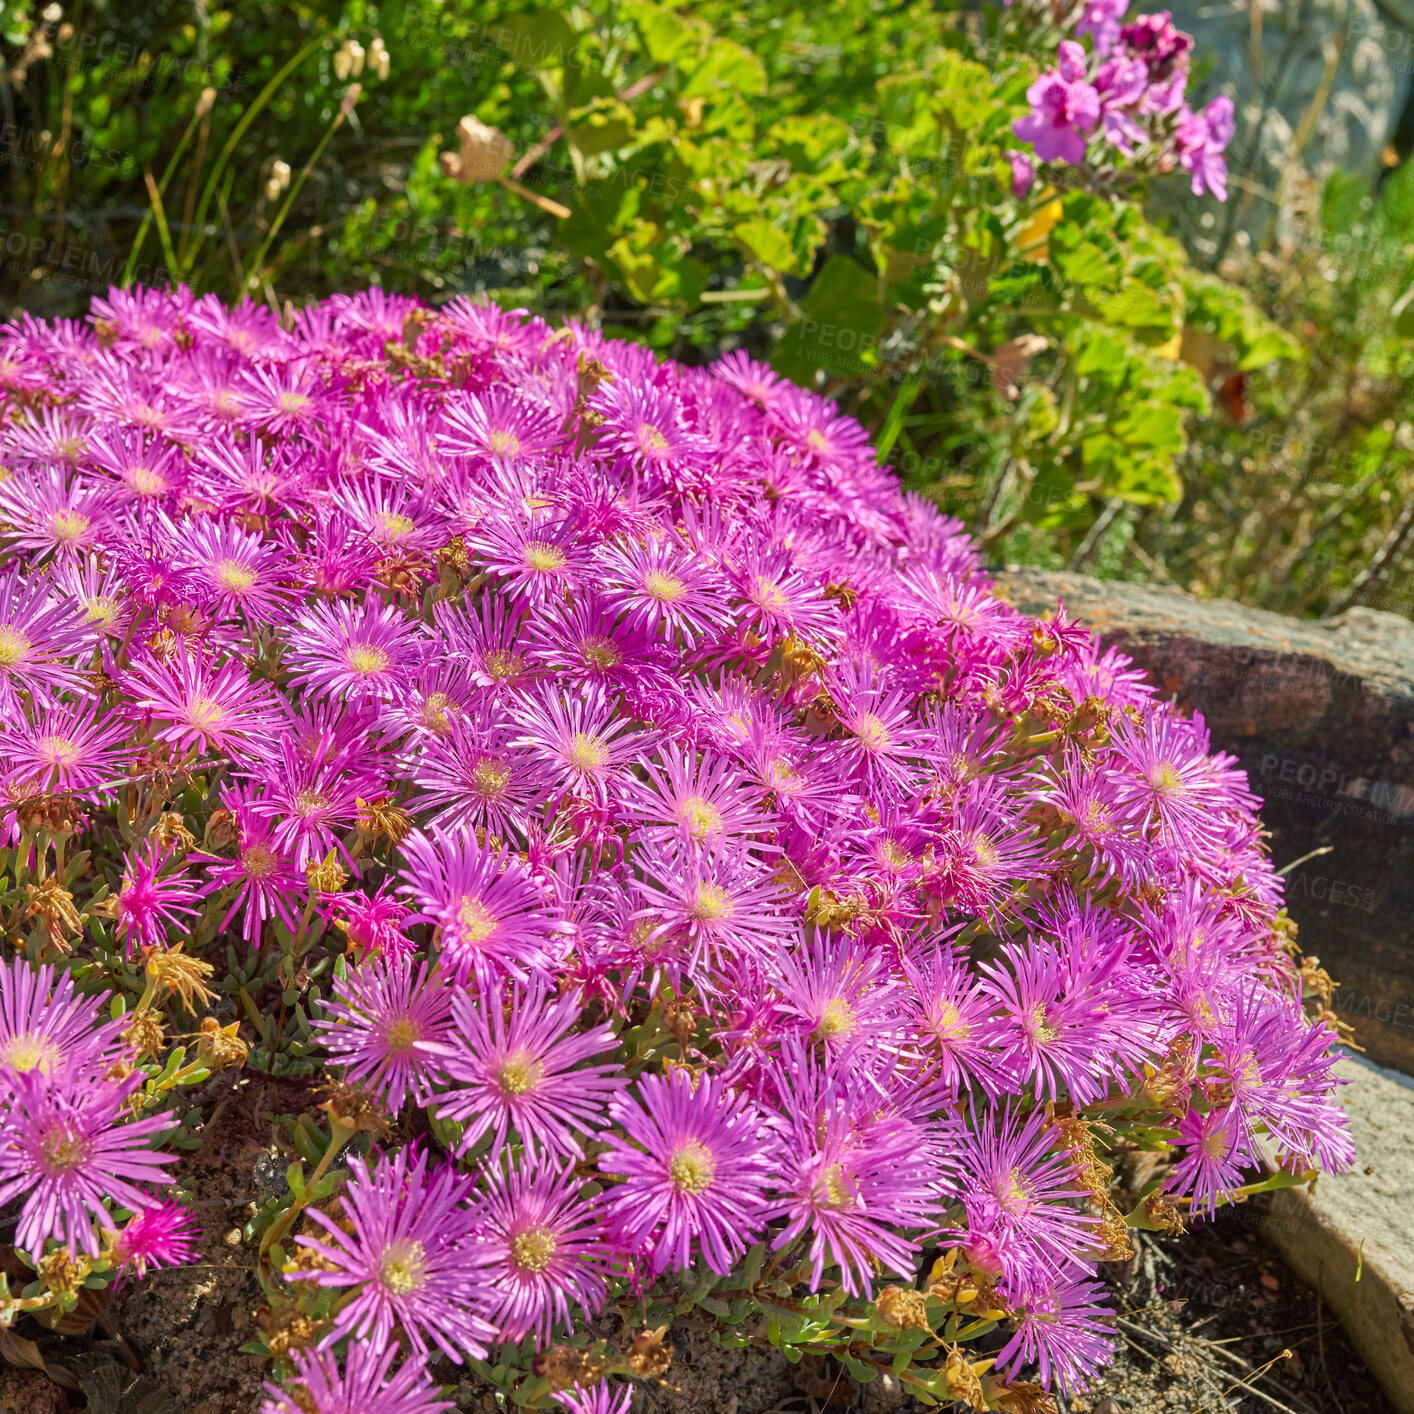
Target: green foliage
[(825, 186)]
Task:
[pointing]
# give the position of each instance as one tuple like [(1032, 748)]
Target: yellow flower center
[(14, 646), (393, 526), (311, 802), (205, 712), (587, 754), (145, 482), (542, 558), (367, 659), (502, 665), (1166, 780), (533, 1250), (489, 777), (1039, 1025), (836, 1020), (837, 1191), (402, 1035), (404, 1266), (258, 862), (27, 1053), (58, 750), (948, 1024), (520, 1073), (601, 652), (475, 922), (701, 817), (504, 444), (711, 902), (665, 587), (292, 403), (770, 596), (68, 524), (235, 576), (872, 732), (64, 1152), (102, 609), (692, 1168), (651, 439)]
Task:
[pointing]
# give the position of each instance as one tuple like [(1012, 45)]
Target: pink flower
[(1202, 139), (1063, 110)]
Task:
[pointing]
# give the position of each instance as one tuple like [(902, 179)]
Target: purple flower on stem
[(1202, 139), (1064, 1331), (45, 1026), (544, 1248), (363, 1386), (164, 1235), (386, 1026), (67, 1147), (1064, 107), (1023, 172), (147, 902), (520, 1068), (411, 1252), (697, 1163)]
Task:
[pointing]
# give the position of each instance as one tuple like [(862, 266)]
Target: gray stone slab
[(1321, 715), (1363, 1221)]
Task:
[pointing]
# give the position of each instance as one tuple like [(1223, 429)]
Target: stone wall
[(1321, 715)]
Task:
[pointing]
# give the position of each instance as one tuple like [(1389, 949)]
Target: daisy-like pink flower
[(66, 1147), (194, 704), (838, 992), (1064, 1332), (853, 1185), (521, 1068), (149, 902), (1214, 1156), (37, 637), (163, 1235), (373, 923), (386, 1026), (70, 750), (491, 920), (366, 1385), (535, 558), (47, 513), (46, 1027), (242, 573), (697, 1163), (580, 739), (411, 1253), (691, 799), (954, 1022), (544, 1246), (1025, 1214), (664, 588), (497, 425), (266, 882), (343, 649)]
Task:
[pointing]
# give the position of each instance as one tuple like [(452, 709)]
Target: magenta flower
[(363, 1386), (412, 1255), (545, 1249), (69, 751), (46, 1028), (193, 703), (374, 923), (1202, 139), (490, 919), (520, 1069), (386, 1026), (37, 637), (1023, 173), (343, 649), (164, 1235), (1064, 107), (697, 1164), (1064, 1332), (147, 902), (67, 1147), (267, 885)]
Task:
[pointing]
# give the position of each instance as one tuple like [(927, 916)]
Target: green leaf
[(536, 40), (1086, 264), (727, 68), (765, 243), (601, 127), (294, 1177), (666, 36), (840, 330)]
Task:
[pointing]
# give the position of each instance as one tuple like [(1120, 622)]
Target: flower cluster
[(1126, 96), (685, 827)]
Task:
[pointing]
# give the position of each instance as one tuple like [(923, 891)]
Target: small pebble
[(232, 1238), (1270, 1282)]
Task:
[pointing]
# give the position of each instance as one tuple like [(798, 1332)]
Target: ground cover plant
[(696, 891)]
